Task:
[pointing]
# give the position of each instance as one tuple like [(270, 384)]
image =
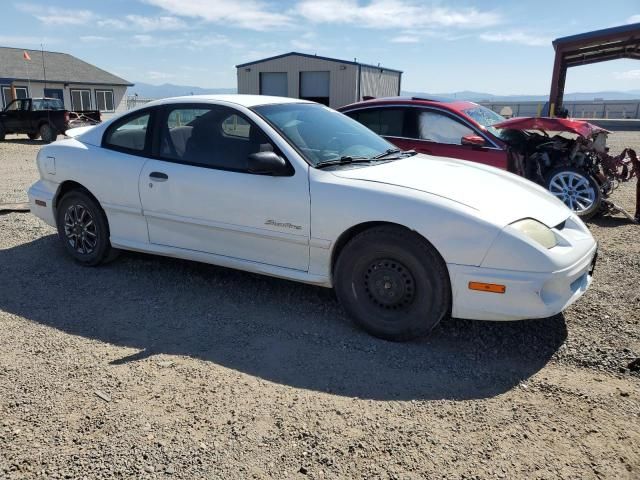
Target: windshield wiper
[(393, 151), (345, 160)]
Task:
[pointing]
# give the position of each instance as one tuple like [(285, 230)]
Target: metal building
[(324, 80)]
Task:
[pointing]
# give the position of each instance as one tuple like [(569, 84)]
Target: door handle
[(158, 176)]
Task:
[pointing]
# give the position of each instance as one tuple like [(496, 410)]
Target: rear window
[(47, 104), (129, 134)]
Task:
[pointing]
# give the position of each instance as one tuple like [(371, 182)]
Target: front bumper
[(527, 295), (41, 196)]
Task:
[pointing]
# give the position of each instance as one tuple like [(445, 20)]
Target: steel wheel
[(389, 284), (80, 229), (574, 189), (392, 282)]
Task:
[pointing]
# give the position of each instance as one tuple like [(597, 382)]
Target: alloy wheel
[(574, 190), (80, 229)]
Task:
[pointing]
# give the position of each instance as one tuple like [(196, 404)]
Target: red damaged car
[(568, 163)]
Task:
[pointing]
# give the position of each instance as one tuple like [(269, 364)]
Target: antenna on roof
[(44, 69)]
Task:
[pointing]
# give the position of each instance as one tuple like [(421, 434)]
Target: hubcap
[(574, 190), (80, 229), (389, 284)]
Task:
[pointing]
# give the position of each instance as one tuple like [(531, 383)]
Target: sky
[(497, 47)]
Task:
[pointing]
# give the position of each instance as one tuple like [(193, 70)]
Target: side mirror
[(267, 163), (473, 141)]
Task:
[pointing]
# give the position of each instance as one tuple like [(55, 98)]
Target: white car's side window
[(210, 136)]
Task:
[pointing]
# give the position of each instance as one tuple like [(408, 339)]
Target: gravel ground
[(157, 368)]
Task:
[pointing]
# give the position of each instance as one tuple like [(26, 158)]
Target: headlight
[(536, 231)]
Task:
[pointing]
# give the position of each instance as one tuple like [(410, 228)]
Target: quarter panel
[(111, 177)]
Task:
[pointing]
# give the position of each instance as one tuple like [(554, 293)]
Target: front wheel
[(393, 283), (33, 136), (83, 229), (2, 132), (577, 189), (48, 133)]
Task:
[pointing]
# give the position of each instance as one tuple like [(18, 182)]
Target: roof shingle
[(61, 68)]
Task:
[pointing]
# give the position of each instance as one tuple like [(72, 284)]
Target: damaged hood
[(499, 196), (548, 124)]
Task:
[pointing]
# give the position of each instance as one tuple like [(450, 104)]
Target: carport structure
[(587, 48)]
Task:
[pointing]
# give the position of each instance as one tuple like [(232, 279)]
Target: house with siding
[(330, 81), (80, 85)]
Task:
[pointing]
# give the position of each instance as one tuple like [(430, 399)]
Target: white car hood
[(500, 196)]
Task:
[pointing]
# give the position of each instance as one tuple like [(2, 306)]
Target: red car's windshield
[(486, 117)]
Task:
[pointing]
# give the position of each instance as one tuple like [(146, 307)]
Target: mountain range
[(146, 90)]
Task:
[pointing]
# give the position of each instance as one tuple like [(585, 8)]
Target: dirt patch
[(158, 368)]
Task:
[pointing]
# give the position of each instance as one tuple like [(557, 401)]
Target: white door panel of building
[(274, 83)]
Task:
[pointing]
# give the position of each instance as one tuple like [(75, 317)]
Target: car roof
[(238, 99), (450, 103)]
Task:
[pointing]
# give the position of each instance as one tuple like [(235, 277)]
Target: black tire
[(48, 133), (2, 132), (393, 283), (88, 243), (33, 136), (577, 189)]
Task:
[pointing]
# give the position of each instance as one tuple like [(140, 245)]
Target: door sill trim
[(222, 261)]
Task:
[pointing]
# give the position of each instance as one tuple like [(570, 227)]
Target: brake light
[(66, 117)]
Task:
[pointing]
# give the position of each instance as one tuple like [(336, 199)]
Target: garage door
[(315, 86), (274, 83)]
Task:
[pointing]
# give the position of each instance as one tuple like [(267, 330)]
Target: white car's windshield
[(321, 134), (486, 117)]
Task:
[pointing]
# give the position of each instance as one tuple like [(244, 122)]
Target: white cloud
[(394, 14), (155, 75), (145, 40), (61, 16), (57, 16), (26, 41), (301, 45), (634, 19), (211, 40), (406, 39), (142, 23), (94, 38), (517, 37), (249, 14), (628, 75)]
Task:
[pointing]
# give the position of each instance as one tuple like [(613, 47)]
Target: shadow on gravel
[(608, 221), (23, 141), (281, 331)]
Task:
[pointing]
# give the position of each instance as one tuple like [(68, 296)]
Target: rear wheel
[(48, 133), (83, 229), (393, 283), (33, 136), (577, 189), (2, 132)]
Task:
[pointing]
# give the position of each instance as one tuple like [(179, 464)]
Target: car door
[(441, 133), (199, 195), (13, 115)]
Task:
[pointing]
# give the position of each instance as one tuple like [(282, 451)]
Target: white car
[(296, 190)]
